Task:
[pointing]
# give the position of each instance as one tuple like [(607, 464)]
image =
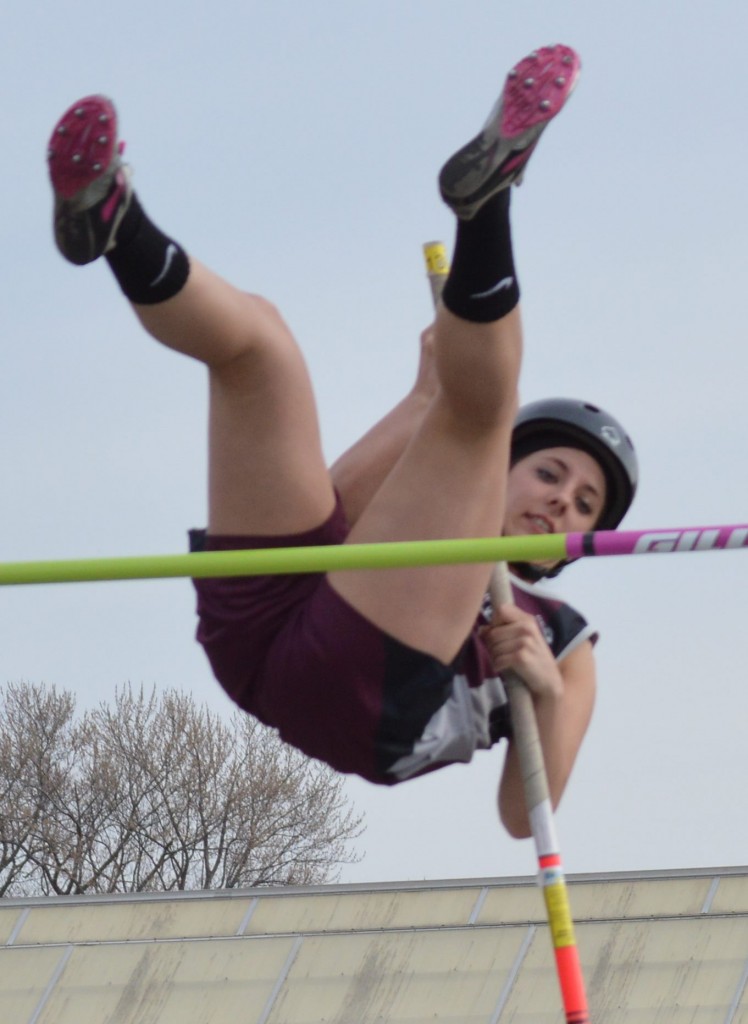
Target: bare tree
[(153, 792)]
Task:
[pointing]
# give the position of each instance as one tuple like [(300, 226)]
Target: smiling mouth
[(540, 524)]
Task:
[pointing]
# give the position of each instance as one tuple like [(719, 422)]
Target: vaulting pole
[(532, 768)]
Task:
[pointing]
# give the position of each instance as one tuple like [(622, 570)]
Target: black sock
[(482, 284), (149, 266)]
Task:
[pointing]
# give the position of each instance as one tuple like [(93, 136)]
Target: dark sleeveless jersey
[(475, 712)]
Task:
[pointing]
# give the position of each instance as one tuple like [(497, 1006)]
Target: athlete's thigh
[(267, 473), (442, 488)]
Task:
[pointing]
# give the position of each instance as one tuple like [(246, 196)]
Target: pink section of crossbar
[(639, 542)]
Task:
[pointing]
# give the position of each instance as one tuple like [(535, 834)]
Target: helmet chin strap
[(534, 573)]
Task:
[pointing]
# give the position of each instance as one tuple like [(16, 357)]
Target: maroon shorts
[(289, 650)]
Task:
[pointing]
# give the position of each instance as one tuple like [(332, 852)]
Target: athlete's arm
[(359, 472), (563, 695)]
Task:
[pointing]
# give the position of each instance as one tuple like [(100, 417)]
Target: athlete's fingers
[(521, 647)]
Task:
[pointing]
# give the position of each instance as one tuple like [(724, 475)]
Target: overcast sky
[(294, 146)]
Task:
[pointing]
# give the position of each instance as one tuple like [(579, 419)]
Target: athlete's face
[(555, 490)]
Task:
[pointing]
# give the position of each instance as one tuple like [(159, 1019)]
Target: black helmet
[(569, 423)]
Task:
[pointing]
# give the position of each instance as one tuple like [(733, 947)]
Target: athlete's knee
[(496, 416), (481, 406), (259, 334), (265, 324)]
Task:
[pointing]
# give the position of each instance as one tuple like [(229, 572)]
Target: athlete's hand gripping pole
[(532, 767)]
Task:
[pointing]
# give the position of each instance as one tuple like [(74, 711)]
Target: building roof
[(656, 948)]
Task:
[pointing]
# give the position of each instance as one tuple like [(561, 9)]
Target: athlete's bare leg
[(267, 473), (449, 482), (451, 478)]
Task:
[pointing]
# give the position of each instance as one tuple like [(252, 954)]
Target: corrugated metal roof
[(656, 948)]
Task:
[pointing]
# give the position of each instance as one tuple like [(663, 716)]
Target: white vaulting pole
[(532, 767)]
